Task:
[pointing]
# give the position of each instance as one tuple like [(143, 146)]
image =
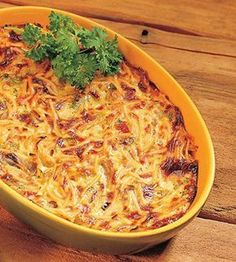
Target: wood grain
[(202, 240), (196, 42), (207, 71), (4, 5), (211, 83), (187, 17)]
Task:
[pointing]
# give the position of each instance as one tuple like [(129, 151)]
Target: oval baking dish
[(93, 240)]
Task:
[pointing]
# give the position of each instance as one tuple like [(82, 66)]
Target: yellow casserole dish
[(93, 240)]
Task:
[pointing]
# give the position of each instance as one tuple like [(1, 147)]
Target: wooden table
[(196, 42)]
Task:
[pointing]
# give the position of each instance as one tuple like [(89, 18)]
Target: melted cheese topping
[(116, 157)]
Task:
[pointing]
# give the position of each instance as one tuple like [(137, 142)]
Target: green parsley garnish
[(75, 52)]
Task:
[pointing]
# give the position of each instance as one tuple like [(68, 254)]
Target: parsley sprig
[(75, 52)]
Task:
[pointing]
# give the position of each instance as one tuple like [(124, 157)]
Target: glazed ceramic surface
[(92, 240)]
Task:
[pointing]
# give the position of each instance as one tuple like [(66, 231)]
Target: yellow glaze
[(93, 240)]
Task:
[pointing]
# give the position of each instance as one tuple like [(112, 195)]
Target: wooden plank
[(168, 39), (211, 18), (195, 44), (3, 5), (198, 48), (206, 69), (209, 78), (202, 240)]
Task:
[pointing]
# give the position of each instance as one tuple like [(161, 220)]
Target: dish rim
[(193, 209)]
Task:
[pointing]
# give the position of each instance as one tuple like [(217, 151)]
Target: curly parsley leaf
[(108, 56), (31, 34), (78, 71), (67, 44), (76, 53), (58, 22), (93, 38), (37, 53)]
